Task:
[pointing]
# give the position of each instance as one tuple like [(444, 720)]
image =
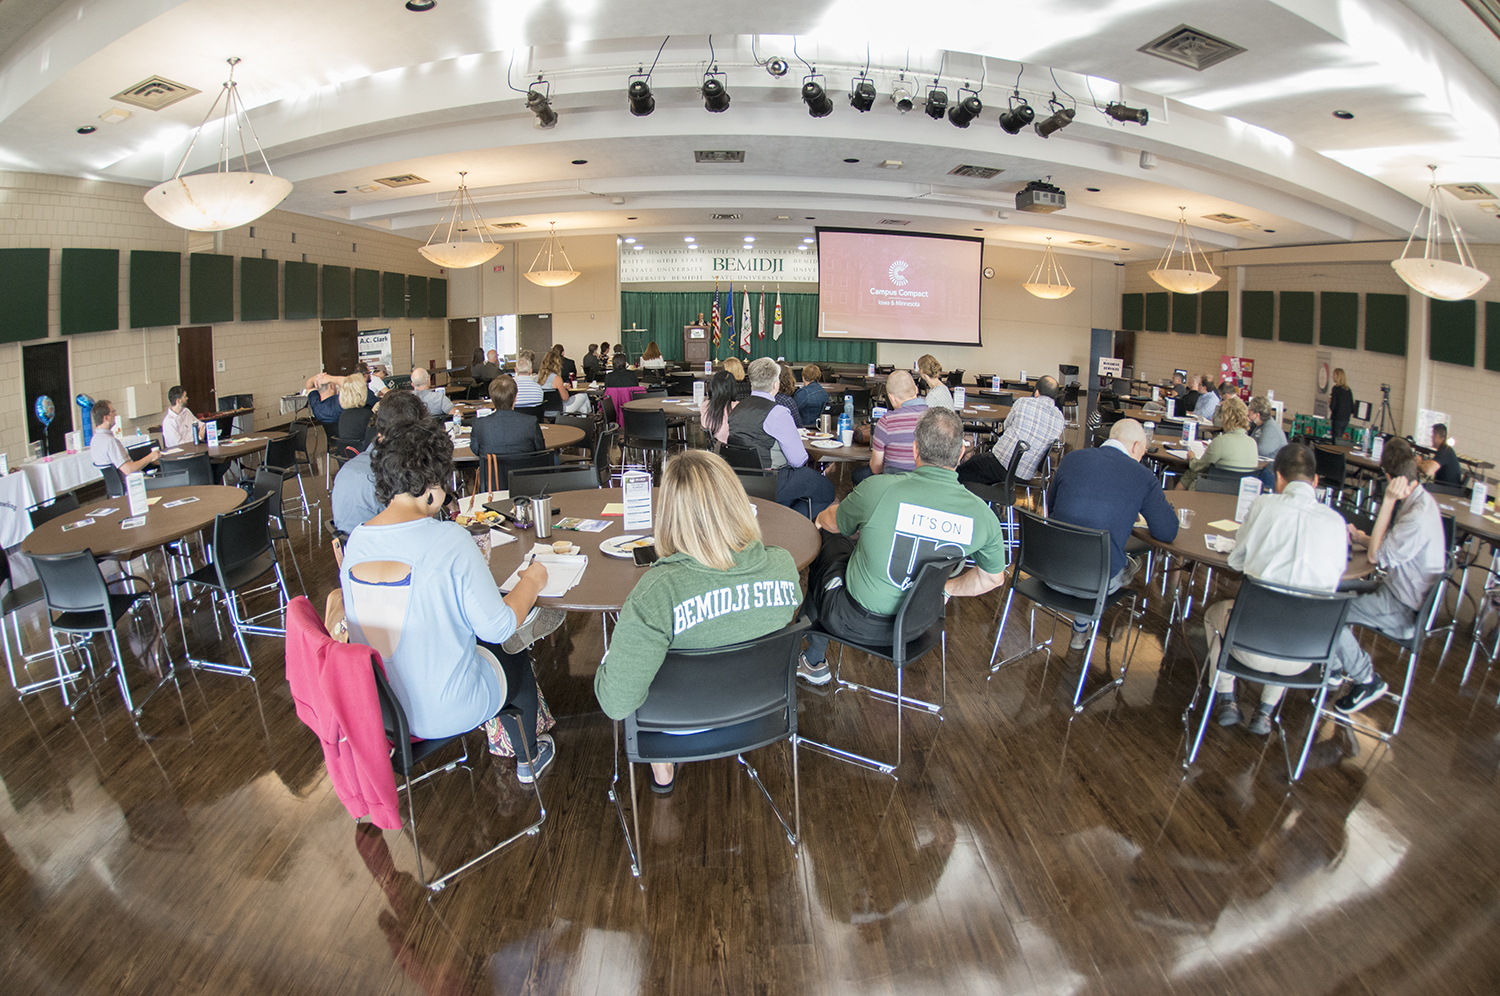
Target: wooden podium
[(696, 346)]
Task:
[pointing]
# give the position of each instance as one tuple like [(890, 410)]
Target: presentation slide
[(908, 288)]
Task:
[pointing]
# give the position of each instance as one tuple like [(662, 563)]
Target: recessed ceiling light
[(87, 130), (749, 238), (1092, 190), (802, 248), (809, 218), (1270, 231), (978, 229), (420, 6), (632, 218), (630, 242), (1343, 115), (579, 162), (637, 247), (341, 191), (809, 240), (851, 160), (688, 238)]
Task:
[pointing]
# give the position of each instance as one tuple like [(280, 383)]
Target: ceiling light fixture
[(901, 96), (638, 93), (777, 66), (420, 6), (819, 104), (1344, 115), (937, 102), (212, 202), (1429, 273), (540, 104), (861, 93), (966, 110), (1017, 115), (87, 130), (1185, 277), (1121, 113), (715, 95), (1061, 117), (551, 276), (1148, 160), (456, 254), (1048, 279)]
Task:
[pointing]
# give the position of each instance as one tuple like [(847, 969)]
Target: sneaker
[(813, 674), (1079, 639), (539, 622), (546, 753), (1229, 710), (1260, 723), (1360, 696)]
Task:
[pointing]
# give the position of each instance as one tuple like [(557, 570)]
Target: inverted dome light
[(552, 276), (456, 254), (213, 202), (1048, 279), (1184, 276), (1429, 273)]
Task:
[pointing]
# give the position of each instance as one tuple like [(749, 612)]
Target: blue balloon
[(46, 411)]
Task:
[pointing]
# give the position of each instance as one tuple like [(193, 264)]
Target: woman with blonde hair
[(1232, 450), (549, 376), (1340, 405), (711, 553), (737, 371), (931, 372), (354, 414)]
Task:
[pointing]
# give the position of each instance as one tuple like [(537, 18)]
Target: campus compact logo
[(897, 273)]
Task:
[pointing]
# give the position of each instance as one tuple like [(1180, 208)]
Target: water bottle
[(708, 366), (995, 383), (849, 408), (846, 423)]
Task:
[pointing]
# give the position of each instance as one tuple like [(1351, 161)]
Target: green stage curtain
[(663, 314)]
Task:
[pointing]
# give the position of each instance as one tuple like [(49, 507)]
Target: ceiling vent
[(893, 221), (404, 180), (1192, 48), (977, 172), (1224, 218), (154, 93), (1083, 242), (724, 217), (719, 156), (1468, 191), (506, 224)]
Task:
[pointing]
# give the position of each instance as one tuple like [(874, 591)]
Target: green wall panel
[(393, 295), (260, 289), (155, 288), (301, 290), (23, 294), (1454, 327), (416, 297), (1185, 313), (1297, 316), (366, 293), (1385, 323), (1133, 312), (90, 298), (338, 301), (1158, 312), (1492, 335), (437, 298), (1216, 313), (1338, 324), (1258, 314), (210, 288)]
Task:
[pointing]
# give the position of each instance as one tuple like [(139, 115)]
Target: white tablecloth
[(15, 498), (37, 481)]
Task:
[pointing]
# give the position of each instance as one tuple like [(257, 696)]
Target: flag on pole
[(776, 333), (745, 326), (761, 325), (714, 321), (729, 314)]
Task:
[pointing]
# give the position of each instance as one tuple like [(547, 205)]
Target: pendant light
[(551, 276), (456, 254), (213, 202), (1185, 277), (1429, 273), (1048, 279)]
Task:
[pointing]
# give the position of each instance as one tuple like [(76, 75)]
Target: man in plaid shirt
[(1037, 420)]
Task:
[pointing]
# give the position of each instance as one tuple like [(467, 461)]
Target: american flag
[(714, 321)]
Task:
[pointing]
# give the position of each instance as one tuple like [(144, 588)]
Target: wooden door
[(195, 367), (340, 347), (534, 332), (45, 371), (463, 339), (1125, 346)]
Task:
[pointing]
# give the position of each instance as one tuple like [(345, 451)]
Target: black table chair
[(551, 480), (14, 599), (46, 511), (198, 468)]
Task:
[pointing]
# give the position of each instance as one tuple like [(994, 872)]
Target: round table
[(608, 580), (984, 413), (163, 525), (674, 407), (555, 436), (853, 453), (228, 449)]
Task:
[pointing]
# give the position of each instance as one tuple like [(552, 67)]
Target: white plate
[(826, 444), (622, 546)]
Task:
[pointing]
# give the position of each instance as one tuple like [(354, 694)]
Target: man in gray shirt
[(1264, 427), (436, 401), (1409, 546), (354, 488)]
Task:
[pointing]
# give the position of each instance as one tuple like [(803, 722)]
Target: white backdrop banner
[(748, 265)]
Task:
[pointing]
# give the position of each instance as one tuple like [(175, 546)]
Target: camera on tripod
[(1385, 389)]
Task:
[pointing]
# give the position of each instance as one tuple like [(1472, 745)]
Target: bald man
[(893, 442), (436, 401)]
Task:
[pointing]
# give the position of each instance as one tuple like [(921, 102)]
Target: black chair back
[(551, 402), (175, 479), (1451, 490), (654, 393), (72, 582), (114, 481), (1291, 624), (1331, 466), (921, 611), (404, 753), (861, 399), (647, 429), (1002, 495), (46, 511), (503, 465), (299, 441), (584, 422), (740, 697), (742, 457), (1217, 485), (551, 480), (281, 453), (604, 445), (1069, 395), (268, 484), (680, 385), (1066, 558), (197, 468), (241, 537), (954, 378), (1003, 399), (757, 484)]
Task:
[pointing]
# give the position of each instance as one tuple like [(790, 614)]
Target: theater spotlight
[(538, 104), (861, 93), (639, 95), (1017, 116), (819, 105), (966, 110), (901, 96), (1060, 119), (777, 67), (937, 103), (1118, 111), (715, 96)]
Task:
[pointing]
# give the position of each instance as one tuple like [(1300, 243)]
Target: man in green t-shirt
[(878, 538)]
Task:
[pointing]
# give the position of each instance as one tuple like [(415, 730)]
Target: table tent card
[(135, 490), (1249, 491), (637, 494)]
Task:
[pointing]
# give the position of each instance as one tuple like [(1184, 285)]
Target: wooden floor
[(1019, 852)]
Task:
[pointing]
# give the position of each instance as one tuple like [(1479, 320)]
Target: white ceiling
[(346, 91)]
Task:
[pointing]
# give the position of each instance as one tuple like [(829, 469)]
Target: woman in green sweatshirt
[(715, 584)]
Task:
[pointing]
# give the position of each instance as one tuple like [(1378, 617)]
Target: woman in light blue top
[(417, 589)]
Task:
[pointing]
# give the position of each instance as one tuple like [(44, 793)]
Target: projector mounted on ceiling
[(1041, 198)]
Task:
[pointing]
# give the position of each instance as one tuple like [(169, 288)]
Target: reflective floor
[(1021, 850)]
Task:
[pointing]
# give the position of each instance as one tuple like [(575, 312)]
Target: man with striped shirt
[(893, 443)]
